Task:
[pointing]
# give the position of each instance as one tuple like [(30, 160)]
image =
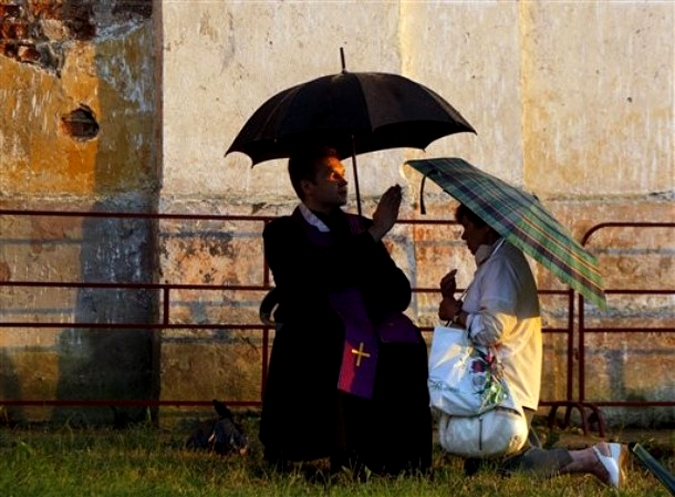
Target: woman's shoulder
[(511, 254), (509, 263)]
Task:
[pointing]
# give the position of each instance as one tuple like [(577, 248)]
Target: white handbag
[(479, 416), (499, 432)]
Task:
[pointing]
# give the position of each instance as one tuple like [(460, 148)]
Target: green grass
[(146, 461)]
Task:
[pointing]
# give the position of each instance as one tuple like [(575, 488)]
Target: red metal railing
[(584, 330), (165, 322)]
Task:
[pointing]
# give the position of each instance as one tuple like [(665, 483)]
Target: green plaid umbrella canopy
[(521, 219)]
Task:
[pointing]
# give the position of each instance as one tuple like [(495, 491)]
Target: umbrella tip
[(342, 59)]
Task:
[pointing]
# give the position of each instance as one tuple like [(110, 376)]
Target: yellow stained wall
[(114, 78), (37, 157)]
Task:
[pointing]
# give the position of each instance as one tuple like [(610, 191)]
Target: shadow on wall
[(9, 389), (107, 363)]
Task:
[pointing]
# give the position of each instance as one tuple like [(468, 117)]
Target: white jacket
[(503, 310)]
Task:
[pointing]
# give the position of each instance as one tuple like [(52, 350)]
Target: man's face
[(474, 235), (328, 191)]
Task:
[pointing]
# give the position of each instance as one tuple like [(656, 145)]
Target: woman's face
[(474, 235)]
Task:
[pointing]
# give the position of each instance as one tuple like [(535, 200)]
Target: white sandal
[(615, 463)]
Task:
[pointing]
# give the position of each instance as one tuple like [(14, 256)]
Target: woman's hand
[(449, 308), (449, 284)]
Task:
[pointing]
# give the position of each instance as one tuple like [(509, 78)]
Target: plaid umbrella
[(520, 218)]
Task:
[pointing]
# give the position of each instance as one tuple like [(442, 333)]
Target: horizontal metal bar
[(136, 286), (628, 330), (123, 402), (133, 326), (135, 215), (190, 217), (628, 403)]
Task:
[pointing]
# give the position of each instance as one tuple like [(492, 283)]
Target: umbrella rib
[(554, 258), (588, 262), (576, 280), (546, 251)]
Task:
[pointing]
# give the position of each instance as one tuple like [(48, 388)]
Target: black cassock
[(304, 415)]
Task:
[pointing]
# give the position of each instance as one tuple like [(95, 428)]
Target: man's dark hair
[(303, 166), (463, 212)]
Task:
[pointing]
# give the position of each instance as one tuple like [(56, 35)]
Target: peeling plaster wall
[(571, 100), (77, 133)]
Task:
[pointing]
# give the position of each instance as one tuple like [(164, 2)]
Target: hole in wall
[(80, 124)]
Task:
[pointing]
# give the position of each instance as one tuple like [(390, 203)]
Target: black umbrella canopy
[(352, 112)]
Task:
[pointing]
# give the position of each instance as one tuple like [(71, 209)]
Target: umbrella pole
[(356, 185), (655, 467), (356, 178)]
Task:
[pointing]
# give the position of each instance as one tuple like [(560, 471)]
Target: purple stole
[(362, 337)]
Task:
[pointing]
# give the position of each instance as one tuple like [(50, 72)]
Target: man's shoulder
[(360, 222), (291, 223), (282, 223)]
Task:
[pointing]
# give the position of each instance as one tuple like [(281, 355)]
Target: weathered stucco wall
[(571, 100), (77, 133)]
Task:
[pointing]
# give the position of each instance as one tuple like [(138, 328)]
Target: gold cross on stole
[(359, 354)]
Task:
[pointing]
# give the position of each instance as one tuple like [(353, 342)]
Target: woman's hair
[(463, 212), (303, 165)]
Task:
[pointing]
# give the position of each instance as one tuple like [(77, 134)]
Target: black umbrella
[(351, 112)]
